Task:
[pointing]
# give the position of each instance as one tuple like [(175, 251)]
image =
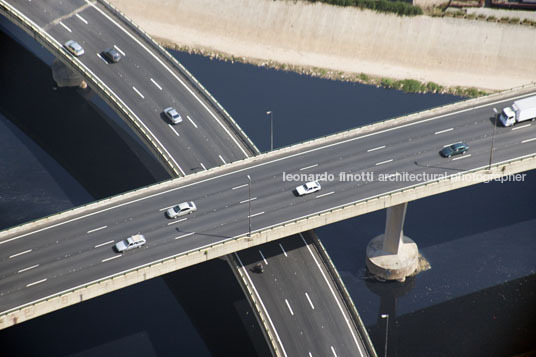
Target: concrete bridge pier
[(393, 256)]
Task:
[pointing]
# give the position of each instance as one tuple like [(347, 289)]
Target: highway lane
[(304, 297), (223, 211), (143, 81)]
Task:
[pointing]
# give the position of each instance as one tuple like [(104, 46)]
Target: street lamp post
[(386, 317), (493, 137), (249, 203), (271, 129)]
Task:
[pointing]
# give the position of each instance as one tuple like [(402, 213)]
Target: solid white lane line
[(68, 29), (203, 166), (348, 323), (29, 268), (118, 49), (185, 235), (222, 159), (308, 167), (289, 308), (528, 140), (384, 162), (177, 221), (21, 253), (378, 148), (81, 18), (333, 350), (97, 229), (256, 214), (103, 244), (520, 127), (174, 75), (263, 258), (283, 249), (156, 84), (461, 157), (451, 144), (36, 282), (262, 304), (237, 187), (172, 128), (114, 257), (191, 121), (325, 194), (310, 302), (443, 131), (252, 199), (137, 91)]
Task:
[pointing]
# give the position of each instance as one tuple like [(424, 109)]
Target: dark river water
[(61, 148)]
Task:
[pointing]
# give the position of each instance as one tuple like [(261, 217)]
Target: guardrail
[(346, 298), (52, 45), (231, 123), (259, 311)]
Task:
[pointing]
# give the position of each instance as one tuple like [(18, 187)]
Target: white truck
[(521, 110)]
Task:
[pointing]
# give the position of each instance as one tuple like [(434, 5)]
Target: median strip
[(114, 257), (97, 229), (520, 127), (21, 253), (325, 194), (29, 268), (461, 157), (105, 243), (443, 131), (185, 235), (378, 148), (256, 214), (68, 29), (384, 162), (36, 282), (177, 221)]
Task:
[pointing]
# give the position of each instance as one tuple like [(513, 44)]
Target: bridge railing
[(211, 251), (231, 123)]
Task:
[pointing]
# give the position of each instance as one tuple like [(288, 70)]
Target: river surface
[(477, 300)]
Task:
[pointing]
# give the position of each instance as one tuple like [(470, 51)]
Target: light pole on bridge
[(271, 129), (493, 137), (249, 203), (386, 317)]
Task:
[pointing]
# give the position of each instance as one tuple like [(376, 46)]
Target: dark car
[(111, 55), (454, 149)]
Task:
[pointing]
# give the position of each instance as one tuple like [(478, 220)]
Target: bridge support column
[(393, 256)]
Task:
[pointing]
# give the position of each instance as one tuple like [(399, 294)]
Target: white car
[(173, 115), (308, 188), (135, 241), (74, 47), (181, 209)]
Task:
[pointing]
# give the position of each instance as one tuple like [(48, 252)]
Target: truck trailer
[(521, 110)]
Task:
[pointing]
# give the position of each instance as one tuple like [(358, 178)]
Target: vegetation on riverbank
[(406, 85), (398, 7)]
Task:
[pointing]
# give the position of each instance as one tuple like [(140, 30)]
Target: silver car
[(135, 241), (181, 209), (173, 115), (74, 47)]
